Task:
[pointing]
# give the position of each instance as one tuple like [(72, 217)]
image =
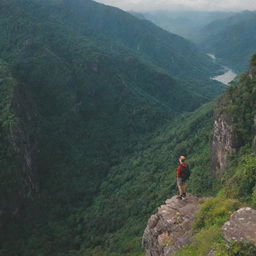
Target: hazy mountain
[(184, 23), (117, 29), (232, 39)]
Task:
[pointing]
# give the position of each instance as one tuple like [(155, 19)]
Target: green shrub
[(241, 249), (242, 184), (253, 60), (214, 212), (203, 242)]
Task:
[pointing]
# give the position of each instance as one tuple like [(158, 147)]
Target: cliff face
[(18, 146), (225, 141), (23, 137), (171, 227)]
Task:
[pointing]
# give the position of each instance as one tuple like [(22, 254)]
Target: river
[(228, 75)]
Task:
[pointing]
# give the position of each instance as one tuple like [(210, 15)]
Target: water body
[(225, 78), (228, 75), (212, 56)]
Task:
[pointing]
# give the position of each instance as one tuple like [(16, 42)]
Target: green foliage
[(203, 242), (149, 176), (92, 89), (237, 105), (212, 239), (215, 211), (253, 61), (242, 183), (104, 123), (241, 249)]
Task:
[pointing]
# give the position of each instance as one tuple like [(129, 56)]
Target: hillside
[(218, 228), (147, 179), (78, 105), (128, 195), (232, 39), (93, 116), (117, 31)]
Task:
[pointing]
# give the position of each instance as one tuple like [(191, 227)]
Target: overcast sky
[(210, 5)]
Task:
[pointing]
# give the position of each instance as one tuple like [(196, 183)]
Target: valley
[(96, 106)]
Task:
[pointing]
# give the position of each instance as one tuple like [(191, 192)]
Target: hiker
[(183, 174)]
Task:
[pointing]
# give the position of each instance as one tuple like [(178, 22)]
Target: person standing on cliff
[(182, 175)]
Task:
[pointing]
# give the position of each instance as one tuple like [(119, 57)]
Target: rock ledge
[(171, 227), (241, 227)]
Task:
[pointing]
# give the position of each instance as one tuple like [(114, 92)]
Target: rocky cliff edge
[(171, 227)]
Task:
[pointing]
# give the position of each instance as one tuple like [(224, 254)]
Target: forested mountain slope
[(115, 30), (79, 104), (234, 166), (232, 39)]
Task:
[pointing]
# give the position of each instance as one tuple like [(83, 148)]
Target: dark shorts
[(180, 182)]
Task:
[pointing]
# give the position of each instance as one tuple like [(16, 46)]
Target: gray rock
[(241, 227), (211, 252), (171, 227), (225, 141)]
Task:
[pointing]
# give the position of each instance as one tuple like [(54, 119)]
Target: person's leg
[(184, 189), (179, 185), (180, 190)]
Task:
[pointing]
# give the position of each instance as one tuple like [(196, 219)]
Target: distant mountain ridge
[(118, 29), (184, 23), (232, 39)]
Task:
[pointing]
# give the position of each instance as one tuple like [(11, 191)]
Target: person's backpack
[(185, 172)]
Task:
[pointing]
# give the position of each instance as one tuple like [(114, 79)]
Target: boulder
[(171, 227), (241, 227)]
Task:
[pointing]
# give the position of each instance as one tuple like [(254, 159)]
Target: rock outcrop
[(225, 141), (241, 227), (171, 227)]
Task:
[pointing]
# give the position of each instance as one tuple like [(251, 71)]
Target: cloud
[(210, 5)]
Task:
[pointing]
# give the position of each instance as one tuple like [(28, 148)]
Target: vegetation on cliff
[(237, 183), (238, 105)]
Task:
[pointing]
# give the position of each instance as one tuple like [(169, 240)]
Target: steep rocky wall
[(23, 136), (171, 227), (224, 142), (18, 146)]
